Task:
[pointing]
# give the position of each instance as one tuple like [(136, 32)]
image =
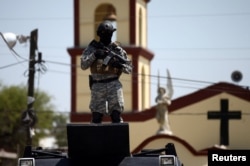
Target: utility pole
[(32, 62)]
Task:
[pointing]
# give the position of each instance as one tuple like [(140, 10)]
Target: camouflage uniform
[(106, 91)]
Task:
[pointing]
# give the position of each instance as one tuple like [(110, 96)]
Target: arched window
[(105, 12)]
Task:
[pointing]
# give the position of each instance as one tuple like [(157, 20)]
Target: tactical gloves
[(116, 64), (100, 53)]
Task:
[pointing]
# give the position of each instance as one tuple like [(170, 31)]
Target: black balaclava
[(105, 38), (105, 31)]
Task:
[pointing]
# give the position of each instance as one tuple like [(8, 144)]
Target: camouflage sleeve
[(88, 57), (127, 68)]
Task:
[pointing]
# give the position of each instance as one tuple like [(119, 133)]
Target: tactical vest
[(98, 68)]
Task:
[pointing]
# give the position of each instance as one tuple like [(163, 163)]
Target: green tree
[(59, 130), (13, 101)]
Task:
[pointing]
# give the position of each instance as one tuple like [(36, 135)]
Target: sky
[(201, 42)]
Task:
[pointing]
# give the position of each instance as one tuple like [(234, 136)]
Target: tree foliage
[(13, 101), (59, 130)]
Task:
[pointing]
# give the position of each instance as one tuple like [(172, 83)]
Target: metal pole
[(32, 62)]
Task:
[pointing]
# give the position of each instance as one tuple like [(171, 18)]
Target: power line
[(203, 59), (200, 48), (35, 18), (120, 18), (198, 114), (183, 80), (226, 58), (200, 15), (149, 75), (62, 63), (189, 81), (13, 64)]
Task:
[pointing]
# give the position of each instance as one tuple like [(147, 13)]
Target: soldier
[(107, 61)]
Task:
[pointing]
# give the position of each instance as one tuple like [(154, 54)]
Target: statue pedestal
[(167, 132)]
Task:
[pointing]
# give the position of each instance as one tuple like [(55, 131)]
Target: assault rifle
[(111, 55)]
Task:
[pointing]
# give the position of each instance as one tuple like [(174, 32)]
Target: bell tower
[(129, 17)]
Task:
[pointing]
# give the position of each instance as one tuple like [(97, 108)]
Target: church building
[(216, 117)]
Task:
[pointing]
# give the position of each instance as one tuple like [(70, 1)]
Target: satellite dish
[(236, 76)]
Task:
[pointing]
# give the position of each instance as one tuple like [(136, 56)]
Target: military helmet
[(105, 27)]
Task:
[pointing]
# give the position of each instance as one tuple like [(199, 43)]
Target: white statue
[(163, 100)]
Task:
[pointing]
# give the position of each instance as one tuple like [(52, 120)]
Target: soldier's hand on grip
[(116, 64), (100, 53)]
